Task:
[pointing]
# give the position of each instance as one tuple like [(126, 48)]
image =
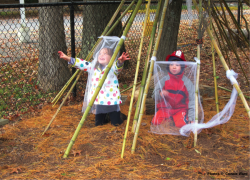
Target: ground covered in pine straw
[(222, 152)]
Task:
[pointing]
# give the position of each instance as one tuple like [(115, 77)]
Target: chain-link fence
[(31, 72)]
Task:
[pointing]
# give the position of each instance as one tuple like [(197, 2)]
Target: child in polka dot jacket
[(109, 98)]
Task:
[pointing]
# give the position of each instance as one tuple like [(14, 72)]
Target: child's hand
[(123, 57), (164, 93), (63, 56)]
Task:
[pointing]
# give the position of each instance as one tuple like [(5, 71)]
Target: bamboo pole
[(149, 75), (102, 81), (248, 97), (89, 56), (198, 75), (197, 94), (145, 71), (130, 87), (230, 43), (65, 87), (214, 69), (58, 96), (66, 97), (136, 76), (226, 67)]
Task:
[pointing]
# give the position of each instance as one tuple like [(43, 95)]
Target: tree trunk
[(95, 19), (168, 41), (53, 72)]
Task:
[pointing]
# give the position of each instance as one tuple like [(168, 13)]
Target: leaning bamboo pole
[(102, 80), (145, 71), (149, 75), (226, 67), (66, 97), (213, 59), (136, 76), (89, 56), (58, 96), (229, 41), (107, 33)]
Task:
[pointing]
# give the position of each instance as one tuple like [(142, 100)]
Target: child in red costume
[(177, 95)]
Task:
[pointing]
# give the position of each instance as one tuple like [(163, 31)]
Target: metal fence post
[(72, 32)]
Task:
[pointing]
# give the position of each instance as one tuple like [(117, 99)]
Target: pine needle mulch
[(222, 152)]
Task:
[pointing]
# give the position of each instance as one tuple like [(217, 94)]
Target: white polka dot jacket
[(109, 93)]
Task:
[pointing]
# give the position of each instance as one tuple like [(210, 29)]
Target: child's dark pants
[(115, 118)]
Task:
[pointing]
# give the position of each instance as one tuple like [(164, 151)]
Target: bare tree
[(53, 72)]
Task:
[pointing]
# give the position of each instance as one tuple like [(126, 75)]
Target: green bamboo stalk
[(107, 31), (214, 69), (102, 81), (226, 68), (215, 80), (197, 93), (66, 97), (89, 56), (145, 71), (66, 86), (248, 97), (198, 75), (129, 87), (136, 76), (236, 24), (221, 30), (230, 43), (119, 19), (149, 76)]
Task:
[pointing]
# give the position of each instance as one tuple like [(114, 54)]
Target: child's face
[(104, 57), (175, 68)]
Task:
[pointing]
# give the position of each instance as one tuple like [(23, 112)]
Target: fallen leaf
[(46, 134), (77, 152), (15, 170)]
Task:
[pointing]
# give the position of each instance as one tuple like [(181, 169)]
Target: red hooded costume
[(175, 104)]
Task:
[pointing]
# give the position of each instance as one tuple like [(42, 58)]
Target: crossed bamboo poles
[(214, 43), (105, 32), (138, 65), (149, 75), (137, 125), (103, 79)]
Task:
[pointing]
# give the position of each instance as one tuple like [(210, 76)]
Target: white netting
[(174, 95), (219, 118), (108, 99)]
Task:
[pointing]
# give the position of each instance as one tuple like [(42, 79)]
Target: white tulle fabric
[(220, 118), (170, 105), (109, 95)]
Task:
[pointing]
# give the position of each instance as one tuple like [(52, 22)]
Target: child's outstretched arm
[(63, 56), (123, 57)]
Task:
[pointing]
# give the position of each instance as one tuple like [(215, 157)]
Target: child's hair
[(110, 52)]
